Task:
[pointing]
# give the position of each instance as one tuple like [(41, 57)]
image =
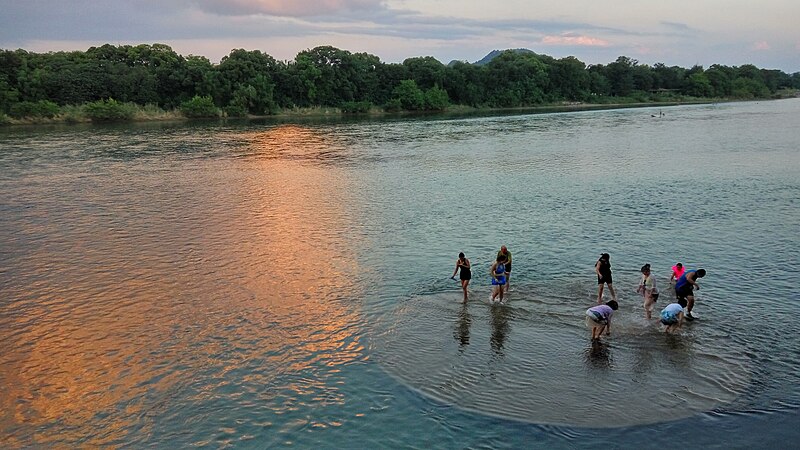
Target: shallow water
[(272, 284)]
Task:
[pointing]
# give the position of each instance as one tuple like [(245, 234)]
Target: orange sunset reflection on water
[(226, 284)]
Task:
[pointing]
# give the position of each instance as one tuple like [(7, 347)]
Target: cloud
[(288, 8), (760, 46), (580, 41)]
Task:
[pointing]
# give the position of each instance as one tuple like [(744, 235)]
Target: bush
[(436, 99), (355, 107), (393, 105), (109, 110), (37, 110), (200, 107), (4, 119)]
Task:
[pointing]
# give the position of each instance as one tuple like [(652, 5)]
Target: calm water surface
[(268, 284)]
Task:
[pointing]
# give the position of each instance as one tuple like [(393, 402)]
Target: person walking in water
[(603, 270), (507, 255), (647, 287), (463, 265), (685, 286), (677, 271), (498, 273)]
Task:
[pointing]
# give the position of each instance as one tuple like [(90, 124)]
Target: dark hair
[(682, 302), (645, 267), (461, 255), (500, 258), (605, 256), (679, 265), (613, 304), (701, 273)]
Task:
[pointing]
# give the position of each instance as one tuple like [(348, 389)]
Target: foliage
[(355, 107), (109, 110), (34, 110), (254, 83), (200, 107)]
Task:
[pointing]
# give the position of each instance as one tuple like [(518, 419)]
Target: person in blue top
[(685, 286), (498, 273), (598, 318), (672, 315)]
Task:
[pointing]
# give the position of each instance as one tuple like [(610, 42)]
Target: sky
[(674, 32)]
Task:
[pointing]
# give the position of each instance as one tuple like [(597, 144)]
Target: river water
[(269, 284)]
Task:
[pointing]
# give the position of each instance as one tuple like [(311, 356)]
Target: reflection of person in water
[(461, 332), (598, 355), (499, 321)]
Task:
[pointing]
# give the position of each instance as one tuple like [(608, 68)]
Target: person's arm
[(680, 320), (492, 271), (597, 269), (692, 278), (608, 326), (468, 266), (455, 271)]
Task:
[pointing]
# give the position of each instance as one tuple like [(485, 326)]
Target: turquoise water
[(269, 284)]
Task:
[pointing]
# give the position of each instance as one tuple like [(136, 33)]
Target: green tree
[(410, 95)]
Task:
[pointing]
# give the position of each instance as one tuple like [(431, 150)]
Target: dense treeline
[(106, 80)]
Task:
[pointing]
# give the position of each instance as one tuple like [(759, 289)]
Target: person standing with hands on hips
[(507, 256)]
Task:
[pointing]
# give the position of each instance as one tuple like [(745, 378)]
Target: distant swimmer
[(672, 315), (507, 254), (603, 270), (598, 318), (463, 265), (685, 286), (498, 273), (648, 289), (677, 271)]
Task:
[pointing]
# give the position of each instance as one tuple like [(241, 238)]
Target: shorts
[(604, 280), (595, 320), (669, 319), (508, 267), (684, 291), (499, 281), (465, 275)]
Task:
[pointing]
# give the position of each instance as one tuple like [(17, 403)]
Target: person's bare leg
[(599, 294), (613, 294)]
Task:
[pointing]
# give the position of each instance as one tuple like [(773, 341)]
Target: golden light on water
[(260, 267)]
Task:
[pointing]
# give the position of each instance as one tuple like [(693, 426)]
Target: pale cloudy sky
[(676, 32)]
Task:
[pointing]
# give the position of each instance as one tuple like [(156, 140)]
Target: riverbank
[(150, 113)]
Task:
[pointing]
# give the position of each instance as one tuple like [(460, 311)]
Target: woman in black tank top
[(466, 274)]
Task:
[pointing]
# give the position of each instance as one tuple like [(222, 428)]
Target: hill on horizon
[(493, 54)]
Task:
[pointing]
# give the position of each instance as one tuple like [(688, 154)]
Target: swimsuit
[(500, 273), (465, 273)]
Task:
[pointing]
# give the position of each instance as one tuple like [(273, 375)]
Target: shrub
[(40, 109), (393, 105), (355, 107), (109, 110), (200, 107), (4, 119)]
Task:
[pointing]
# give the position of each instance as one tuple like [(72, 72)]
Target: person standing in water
[(677, 272), (463, 265), (498, 273), (507, 255), (647, 287), (603, 270), (685, 286)]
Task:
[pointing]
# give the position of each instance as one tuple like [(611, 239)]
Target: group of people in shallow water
[(598, 318), (500, 273)]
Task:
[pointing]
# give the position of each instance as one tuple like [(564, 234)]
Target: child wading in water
[(598, 318), (672, 315), (647, 287)]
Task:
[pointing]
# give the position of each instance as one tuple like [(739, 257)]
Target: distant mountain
[(494, 53)]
